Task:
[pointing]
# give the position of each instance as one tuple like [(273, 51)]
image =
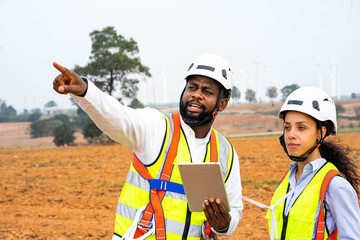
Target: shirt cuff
[(85, 80)]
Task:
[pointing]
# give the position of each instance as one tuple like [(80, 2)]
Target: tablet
[(202, 181)]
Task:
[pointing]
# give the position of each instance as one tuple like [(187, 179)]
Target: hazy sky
[(267, 43)]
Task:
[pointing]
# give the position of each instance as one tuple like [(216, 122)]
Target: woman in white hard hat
[(322, 185)]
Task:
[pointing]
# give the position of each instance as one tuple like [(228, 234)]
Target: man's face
[(199, 98)]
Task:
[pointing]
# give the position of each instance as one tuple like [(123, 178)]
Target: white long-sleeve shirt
[(143, 131)]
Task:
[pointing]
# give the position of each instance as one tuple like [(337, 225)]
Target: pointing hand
[(68, 81)]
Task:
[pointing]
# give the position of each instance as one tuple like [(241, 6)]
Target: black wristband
[(84, 93)]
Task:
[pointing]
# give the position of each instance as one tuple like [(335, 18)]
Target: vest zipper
[(285, 222), (187, 224)]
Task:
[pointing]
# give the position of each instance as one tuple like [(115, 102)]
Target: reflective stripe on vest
[(135, 192), (301, 221)]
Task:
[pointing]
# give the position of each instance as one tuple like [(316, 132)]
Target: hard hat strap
[(301, 158)]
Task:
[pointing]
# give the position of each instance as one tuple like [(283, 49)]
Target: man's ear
[(223, 103)]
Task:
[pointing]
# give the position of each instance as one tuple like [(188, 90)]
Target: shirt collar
[(189, 132), (311, 166)]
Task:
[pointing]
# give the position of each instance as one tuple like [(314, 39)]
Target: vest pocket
[(299, 229)]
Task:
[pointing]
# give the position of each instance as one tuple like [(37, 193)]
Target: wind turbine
[(144, 87), (266, 71), (256, 63), (165, 86), (336, 79), (163, 80), (242, 84), (317, 63)]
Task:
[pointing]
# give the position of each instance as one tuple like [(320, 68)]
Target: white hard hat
[(212, 66), (314, 102)]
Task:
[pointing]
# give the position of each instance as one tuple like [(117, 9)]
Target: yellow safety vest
[(179, 221), (301, 219)]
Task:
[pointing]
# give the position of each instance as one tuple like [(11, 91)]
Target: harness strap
[(159, 184), (156, 196), (321, 220), (213, 147)]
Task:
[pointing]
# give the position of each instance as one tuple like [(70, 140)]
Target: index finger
[(62, 69)]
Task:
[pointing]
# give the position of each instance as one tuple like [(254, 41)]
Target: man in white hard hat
[(161, 140)]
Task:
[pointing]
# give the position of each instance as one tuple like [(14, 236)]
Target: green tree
[(114, 64), (2, 105), (81, 116), (35, 115), (285, 91), (94, 135), (79, 120), (250, 95), (135, 103), (23, 117), (90, 130), (357, 112), (50, 104), (37, 128), (44, 127), (7, 113), (236, 94), (62, 117), (339, 109), (271, 92), (63, 135)]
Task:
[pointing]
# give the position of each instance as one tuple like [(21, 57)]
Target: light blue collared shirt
[(340, 199)]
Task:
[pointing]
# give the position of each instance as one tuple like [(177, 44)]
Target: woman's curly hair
[(337, 154)]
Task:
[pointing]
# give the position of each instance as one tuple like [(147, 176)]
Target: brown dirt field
[(72, 192)]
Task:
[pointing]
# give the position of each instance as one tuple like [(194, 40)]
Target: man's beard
[(203, 118)]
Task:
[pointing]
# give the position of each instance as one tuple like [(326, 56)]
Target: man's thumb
[(62, 89)]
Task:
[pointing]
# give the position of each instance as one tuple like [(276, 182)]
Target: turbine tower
[(256, 63), (266, 76), (144, 85), (163, 80), (242, 84), (335, 83), (319, 77)]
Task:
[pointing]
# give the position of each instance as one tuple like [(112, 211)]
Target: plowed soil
[(49, 192), (72, 192)]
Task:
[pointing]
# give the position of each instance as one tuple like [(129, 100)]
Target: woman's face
[(301, 134)]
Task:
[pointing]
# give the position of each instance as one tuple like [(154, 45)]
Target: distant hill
[(236, 120)]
